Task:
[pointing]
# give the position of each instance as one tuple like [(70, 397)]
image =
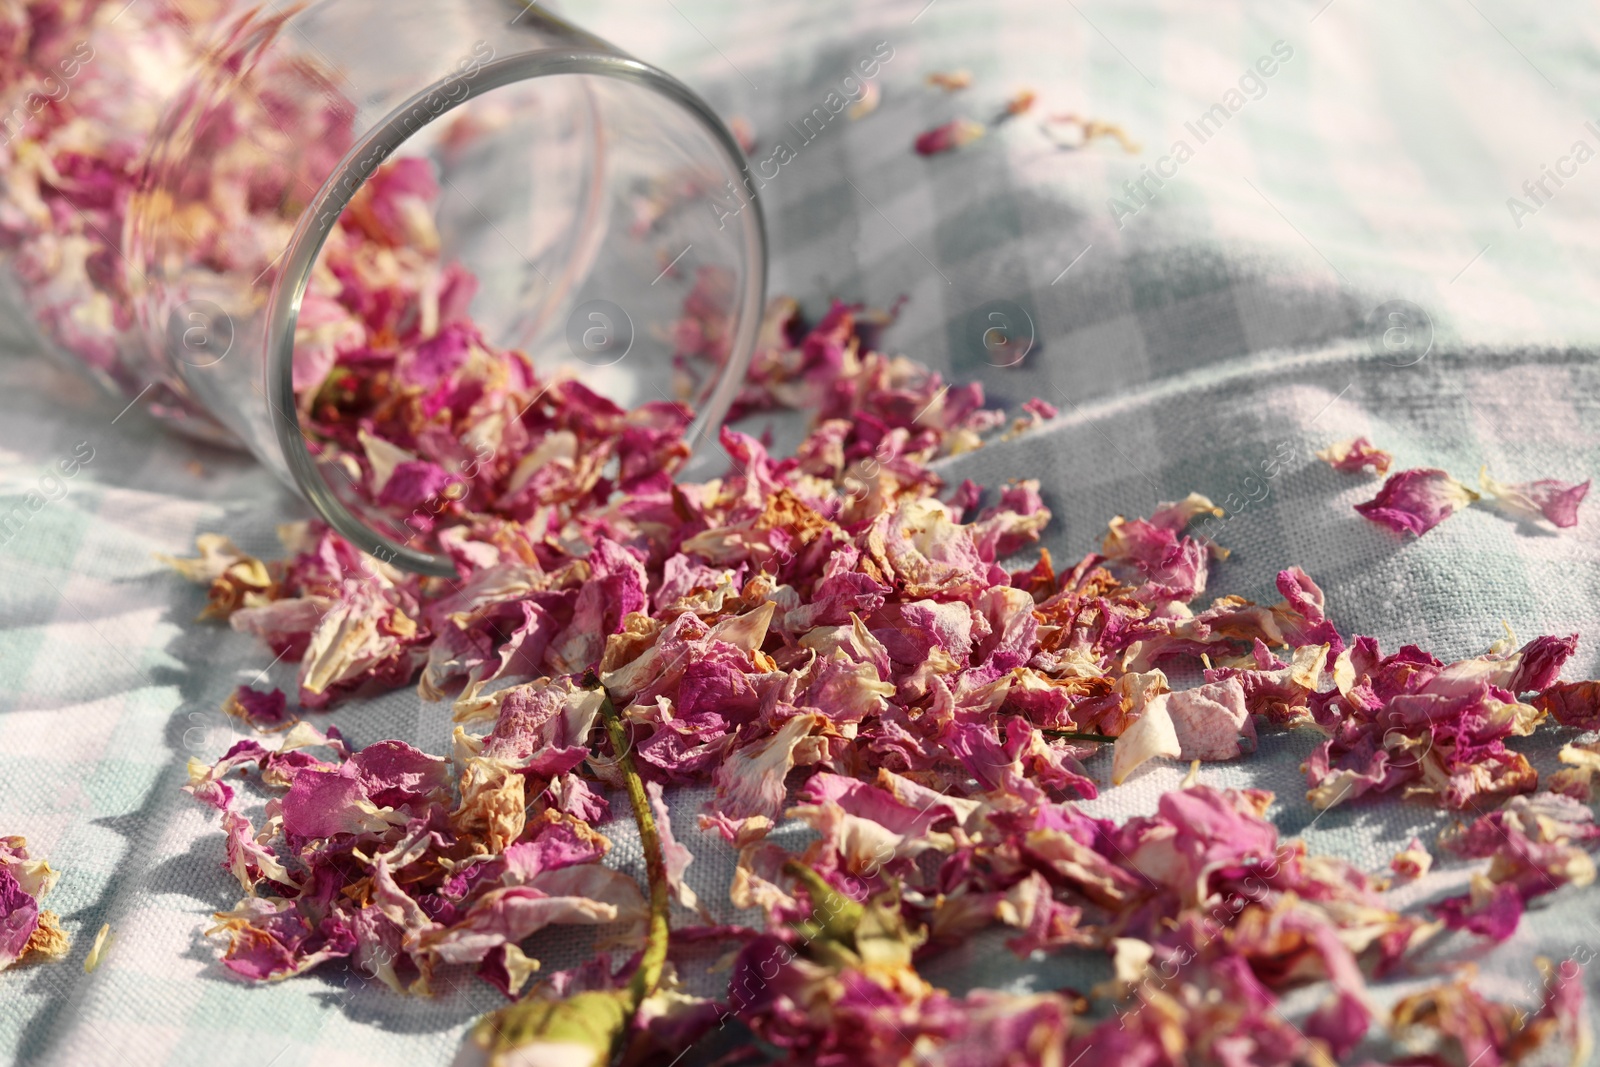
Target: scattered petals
[(1072, 131), (1536, 845)]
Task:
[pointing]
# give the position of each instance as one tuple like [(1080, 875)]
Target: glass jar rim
[(362, 159)]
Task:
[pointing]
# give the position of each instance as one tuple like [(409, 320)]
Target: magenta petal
[(1342, 1022), (1496, 918), (1558, 502), (1416, 501), (393, 773), (415, 483), (19, 916), (265, 711), (323, 803), (1541, 663)]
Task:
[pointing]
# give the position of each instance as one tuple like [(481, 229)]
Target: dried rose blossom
[(1556, 502), (950, 81), (1415, 501), (24, 927), (1355, 456), (952, 135)]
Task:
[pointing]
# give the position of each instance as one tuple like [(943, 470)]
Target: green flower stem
[(648, 976), (1069, 735)]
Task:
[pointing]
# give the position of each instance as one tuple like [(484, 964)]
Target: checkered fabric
[(1190, 316)]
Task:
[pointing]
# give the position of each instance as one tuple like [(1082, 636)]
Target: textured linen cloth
[(1186, 335)]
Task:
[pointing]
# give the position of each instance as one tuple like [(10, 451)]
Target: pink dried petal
[(325, 803), (1416, 501), (750, 779), (1211, 721), (19, 918), (265, 711), (1495, 916), (1539, 661), (952, 135), (1355, 456), (1547, 498), (1411, 862), (675, 856)]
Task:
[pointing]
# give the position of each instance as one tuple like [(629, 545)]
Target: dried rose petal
[(1576, 780), (1355, 456), (952, 135), (1020, 102), (1415, 501), (950, 81), (1554, 501), (264, 711), (1575, 704), (1411, 862)]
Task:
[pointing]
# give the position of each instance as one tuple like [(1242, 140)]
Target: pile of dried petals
[(838, 628), (834, 638)]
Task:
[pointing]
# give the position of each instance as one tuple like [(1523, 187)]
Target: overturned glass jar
[(362, 238)]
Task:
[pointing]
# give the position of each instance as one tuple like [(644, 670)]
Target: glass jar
[(232, 212)]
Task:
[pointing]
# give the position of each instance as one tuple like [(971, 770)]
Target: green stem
[(1070, 735), (648, 976)]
